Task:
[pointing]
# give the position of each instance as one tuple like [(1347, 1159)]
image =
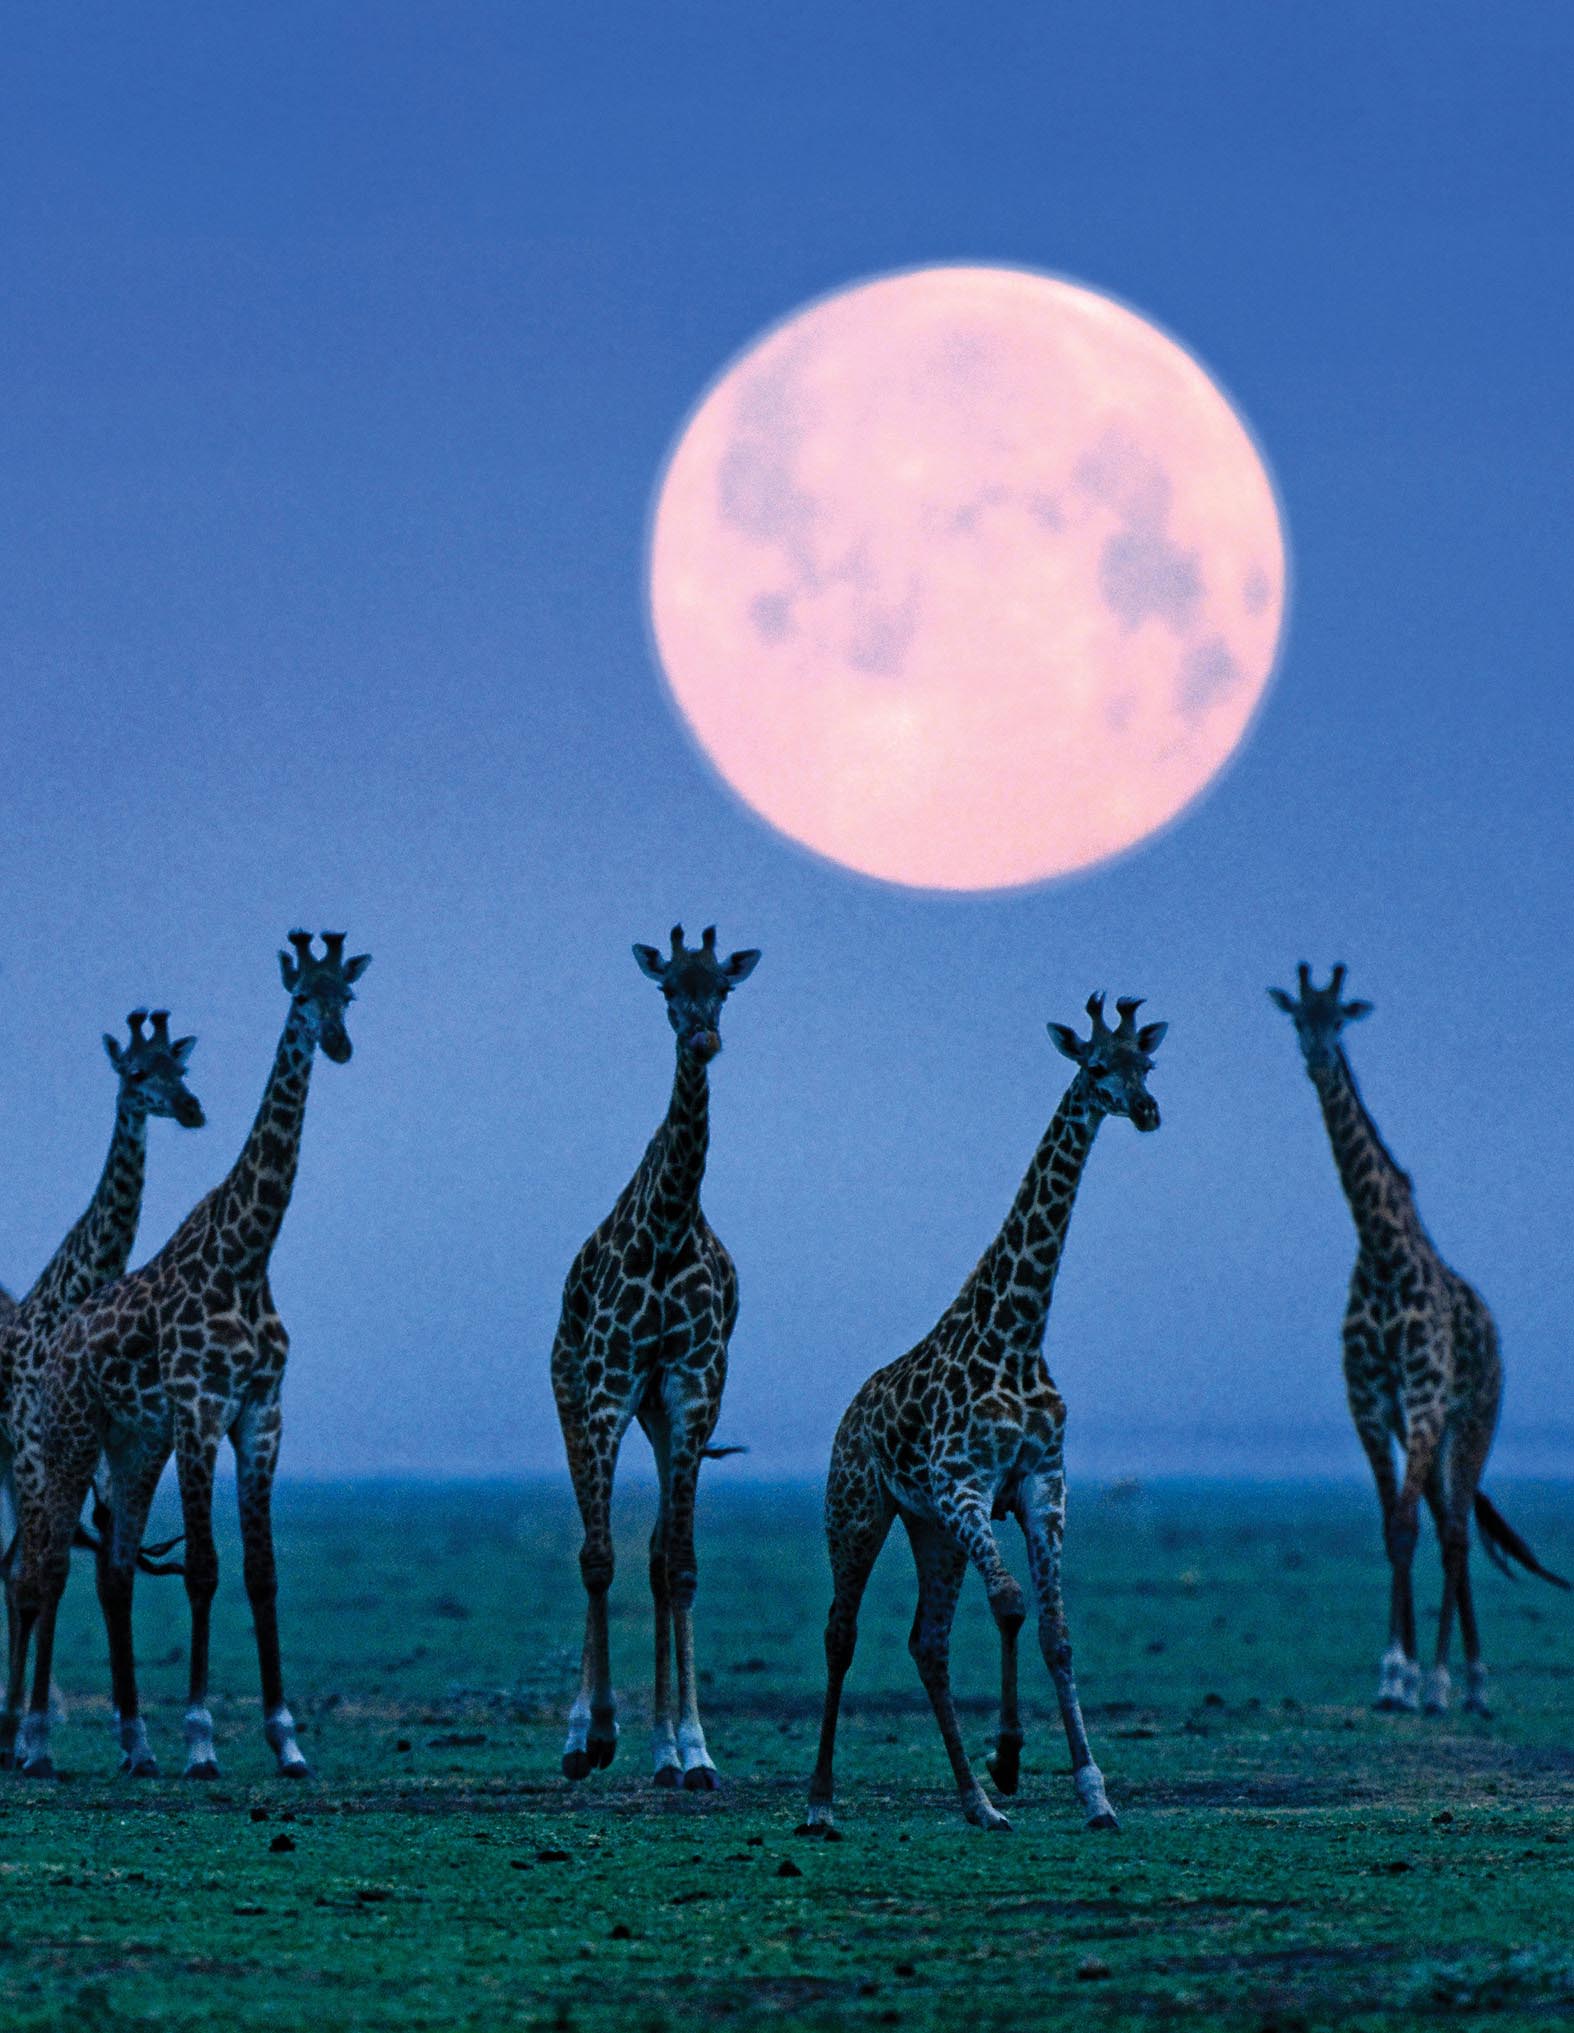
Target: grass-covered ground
[(1288, 1858)]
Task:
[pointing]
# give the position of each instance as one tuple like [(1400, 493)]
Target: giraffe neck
[(248, 1209), (1010, 1291), (1378, 1190), (674, 1164), (99, 1246)]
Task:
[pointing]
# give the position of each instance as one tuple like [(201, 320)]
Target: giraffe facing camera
[(1115, 1063), (696, 984), (1422, 1370), (151, 1069), (649, 1306), (324, 989)]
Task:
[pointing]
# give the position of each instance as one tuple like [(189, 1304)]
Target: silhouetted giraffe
[(648, 1309), (968, 1427), (1421, 1368), (170, 1359), (150, 1071)]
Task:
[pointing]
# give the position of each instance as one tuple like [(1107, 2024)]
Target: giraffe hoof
[(1004, 1769), (601, 1751), (201, 1768), (143, 1766), (666, 1775), (297, 1768), (39, 1768), (577, 1765), (982, 1815), (1108, 1819), (1395, 1704), (701, 1779)]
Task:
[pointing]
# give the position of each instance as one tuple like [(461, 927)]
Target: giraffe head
[(151, 1068), (321, 989), (696, 984), (1320, 1015), (1113, 1065)]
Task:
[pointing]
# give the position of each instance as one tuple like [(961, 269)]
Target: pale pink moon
[(966, 577)]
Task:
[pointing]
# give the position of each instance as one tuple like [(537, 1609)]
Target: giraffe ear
[(356, 967), (182, 1050), (116, 1055), (288, 970), (741, 965), (649, 962), (1150, 1037), (1352, 1012), (1280, 1000), (1067, 1041)]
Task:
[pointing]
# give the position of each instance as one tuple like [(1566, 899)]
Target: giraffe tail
[(720, 1453), (150, 1560), (1502, 1544)]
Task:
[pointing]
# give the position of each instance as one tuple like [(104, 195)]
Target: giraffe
[(150, 1074), (968, 1427), (1421, 1367), (169, 1359), (649, 1306)]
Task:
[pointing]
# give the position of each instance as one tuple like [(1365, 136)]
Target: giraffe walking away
[(170, 1359), (648, 1309), (968, 1427), (150, 1074), (1421, 1368)]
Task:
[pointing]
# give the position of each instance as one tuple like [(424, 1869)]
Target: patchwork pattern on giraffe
[(150, 1071), (1422, 1370), (649, 1306), (170, 1360), (966, 1429)]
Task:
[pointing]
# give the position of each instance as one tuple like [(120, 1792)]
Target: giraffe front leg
[(941, 1564), (1043, 1518), (1364, 1373), (255, 1438), (666, 1764), (133, 1477), (50, 1495), (1399, 1690), (592, 1438), (967, 1517)]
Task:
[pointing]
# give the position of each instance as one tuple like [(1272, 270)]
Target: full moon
[(966, 577)]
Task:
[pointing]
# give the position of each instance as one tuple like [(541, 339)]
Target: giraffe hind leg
[(858, 1515)]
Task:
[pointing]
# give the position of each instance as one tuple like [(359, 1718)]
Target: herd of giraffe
[(106, 1374)]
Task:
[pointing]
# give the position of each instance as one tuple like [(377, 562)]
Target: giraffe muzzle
[(1145, 1113), (703, 1044), (188, 1112)]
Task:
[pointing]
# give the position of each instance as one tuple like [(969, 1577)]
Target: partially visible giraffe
[(151, 1080), (968, 1427), (648, 1309), (1421, 1369), (171, 1358)]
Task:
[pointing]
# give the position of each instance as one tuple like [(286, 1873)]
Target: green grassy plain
[(1288, 1858)]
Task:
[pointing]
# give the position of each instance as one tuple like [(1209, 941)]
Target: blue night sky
[(340, 348)]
